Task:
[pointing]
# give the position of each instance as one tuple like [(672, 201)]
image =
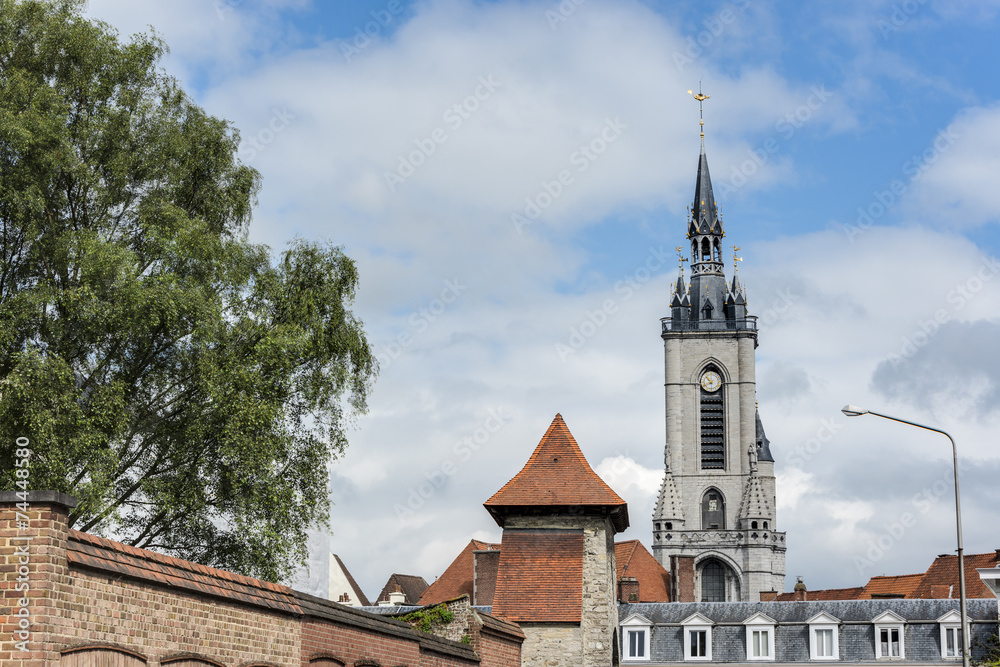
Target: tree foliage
[(187, 389)]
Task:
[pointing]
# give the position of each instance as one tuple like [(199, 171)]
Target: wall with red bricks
[(75, 603)]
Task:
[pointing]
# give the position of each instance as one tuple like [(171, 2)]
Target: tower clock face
[(710, 381)]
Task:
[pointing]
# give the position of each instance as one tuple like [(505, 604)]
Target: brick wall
[(498, 649), (139, 606)]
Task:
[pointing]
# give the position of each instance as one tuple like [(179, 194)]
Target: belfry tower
[(717, 502)]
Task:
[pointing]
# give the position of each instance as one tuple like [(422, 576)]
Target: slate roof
[(350, 580), (411, 585), (704, 212), (633, 560), (540, 578), (862, 611), (557, 476), (458, 578), (791, 642)]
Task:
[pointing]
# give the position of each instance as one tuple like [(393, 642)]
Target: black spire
[(704, 212)]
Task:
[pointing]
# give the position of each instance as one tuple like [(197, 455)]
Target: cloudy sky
[(505, 173)]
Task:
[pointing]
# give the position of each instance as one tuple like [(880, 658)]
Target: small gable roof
[(557, 475), (823, 617), (632, 559), (411, 586), (888, 616), (457, 579)]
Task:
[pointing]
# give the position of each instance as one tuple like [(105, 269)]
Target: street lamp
[(855, 411)]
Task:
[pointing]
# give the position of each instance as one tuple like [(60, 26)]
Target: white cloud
[(833, 305)]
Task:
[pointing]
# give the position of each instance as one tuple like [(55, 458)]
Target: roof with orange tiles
[(540, 578), (633, 560), (824, 594), (457, 579), (900, 586), (410, 585), (943, 572), (91, 551), (558, 476)]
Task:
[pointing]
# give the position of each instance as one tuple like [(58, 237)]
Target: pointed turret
[(668, 505), (755, 509), (557, 478), (704, 212), (763, 444)]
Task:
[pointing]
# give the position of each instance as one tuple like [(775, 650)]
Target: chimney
[(768, 596), (799, 592), (484, 576), (397, 597), (682, 579), (628, 589)]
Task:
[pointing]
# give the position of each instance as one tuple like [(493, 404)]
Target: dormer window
[(824, 637), (951, 635), (760, 637), (636, 631), (697, 638), (890, 641)]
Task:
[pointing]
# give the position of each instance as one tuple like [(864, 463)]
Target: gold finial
[(736, 267), (701, 97), (680, 260)]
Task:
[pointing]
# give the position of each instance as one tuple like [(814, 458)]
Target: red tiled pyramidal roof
[(557, 475)]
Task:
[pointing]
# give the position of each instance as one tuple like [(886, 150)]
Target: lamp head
[(853, 411)]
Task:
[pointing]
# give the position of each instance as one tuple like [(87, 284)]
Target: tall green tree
[(188, 388)]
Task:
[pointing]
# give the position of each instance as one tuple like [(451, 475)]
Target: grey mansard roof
[(921, 634), (799, 612)]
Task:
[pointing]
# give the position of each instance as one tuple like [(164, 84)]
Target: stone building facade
[(717, 500)]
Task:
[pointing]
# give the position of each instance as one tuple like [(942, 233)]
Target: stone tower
[(556, 576), (716, 502)]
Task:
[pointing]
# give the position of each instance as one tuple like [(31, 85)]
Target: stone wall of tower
[(591, 643), (756, 556)]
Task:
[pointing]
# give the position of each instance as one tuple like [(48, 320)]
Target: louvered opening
[(713, 445)]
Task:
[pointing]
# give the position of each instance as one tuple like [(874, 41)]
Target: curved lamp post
[(855, 411)]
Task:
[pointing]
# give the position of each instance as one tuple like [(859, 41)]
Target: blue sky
[(854, 148)]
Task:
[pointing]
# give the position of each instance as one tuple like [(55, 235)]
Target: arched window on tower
[(713, 423), (706, 250), (713, 510), (713, 582)]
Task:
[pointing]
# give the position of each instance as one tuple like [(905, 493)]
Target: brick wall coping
[(324, 609), (39, 498), (84, 550)]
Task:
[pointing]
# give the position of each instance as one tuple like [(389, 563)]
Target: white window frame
[(697, 623), (636, 623), (823, 622), (951, 623), (890, 621), (760, 623)]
